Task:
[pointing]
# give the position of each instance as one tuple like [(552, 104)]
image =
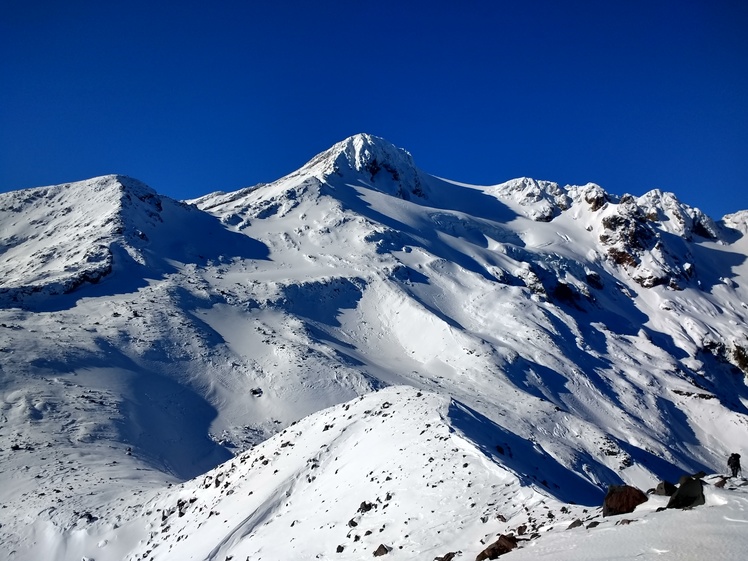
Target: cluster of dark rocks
[(623, 499), (620, 499)]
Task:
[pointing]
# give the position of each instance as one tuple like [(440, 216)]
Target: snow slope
[(556, 340)]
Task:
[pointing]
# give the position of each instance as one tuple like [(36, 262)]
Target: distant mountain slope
[(586, 338), (54, 239)]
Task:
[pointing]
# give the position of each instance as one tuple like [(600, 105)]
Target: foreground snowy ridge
[(459, 361)]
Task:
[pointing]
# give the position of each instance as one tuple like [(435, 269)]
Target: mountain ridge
[(602, 336)]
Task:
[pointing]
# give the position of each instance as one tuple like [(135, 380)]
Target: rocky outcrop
[(501, 546), (638, 235), (622, 499), (690, 493), (541, 201)]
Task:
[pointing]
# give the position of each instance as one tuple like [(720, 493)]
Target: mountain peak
[(372, 161), (360, 150)]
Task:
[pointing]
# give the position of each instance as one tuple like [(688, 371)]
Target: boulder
[(697, 475), (622, 499), (665, 489), (365, 507), (382, 550), (689, 494), (501, 546)]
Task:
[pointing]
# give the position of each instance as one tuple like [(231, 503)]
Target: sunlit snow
[(361, 355)]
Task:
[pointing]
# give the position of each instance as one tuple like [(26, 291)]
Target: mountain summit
[(373, 161), (358, 351)]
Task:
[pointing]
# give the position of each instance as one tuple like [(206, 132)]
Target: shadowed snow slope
[(518, 346)]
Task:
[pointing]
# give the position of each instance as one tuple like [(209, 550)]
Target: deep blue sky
[(193, 97)]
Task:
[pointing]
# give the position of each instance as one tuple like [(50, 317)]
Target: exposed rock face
[(501, 546), (595, 196), (639, 234), (690, 493), (542, 201), (622, 499)]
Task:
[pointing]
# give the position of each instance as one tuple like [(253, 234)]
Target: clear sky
[(197, 96)]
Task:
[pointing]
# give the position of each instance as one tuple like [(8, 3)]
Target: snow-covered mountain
[(358, 354)]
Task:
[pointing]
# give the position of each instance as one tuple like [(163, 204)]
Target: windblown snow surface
[(361, 357)]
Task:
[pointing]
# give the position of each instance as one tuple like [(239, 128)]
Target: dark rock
[(622, 499), (564, 293), (594, 280), (352, 523), (593, 524), (576, 524), (721, 483), (596, 198), (689, 494), (521, 529), (697, 475), (365, 507), (621, 257), (665, 489), (740, 357), (340, 549), (382, 550), (448, 557), (88, 517), (501, 546)]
